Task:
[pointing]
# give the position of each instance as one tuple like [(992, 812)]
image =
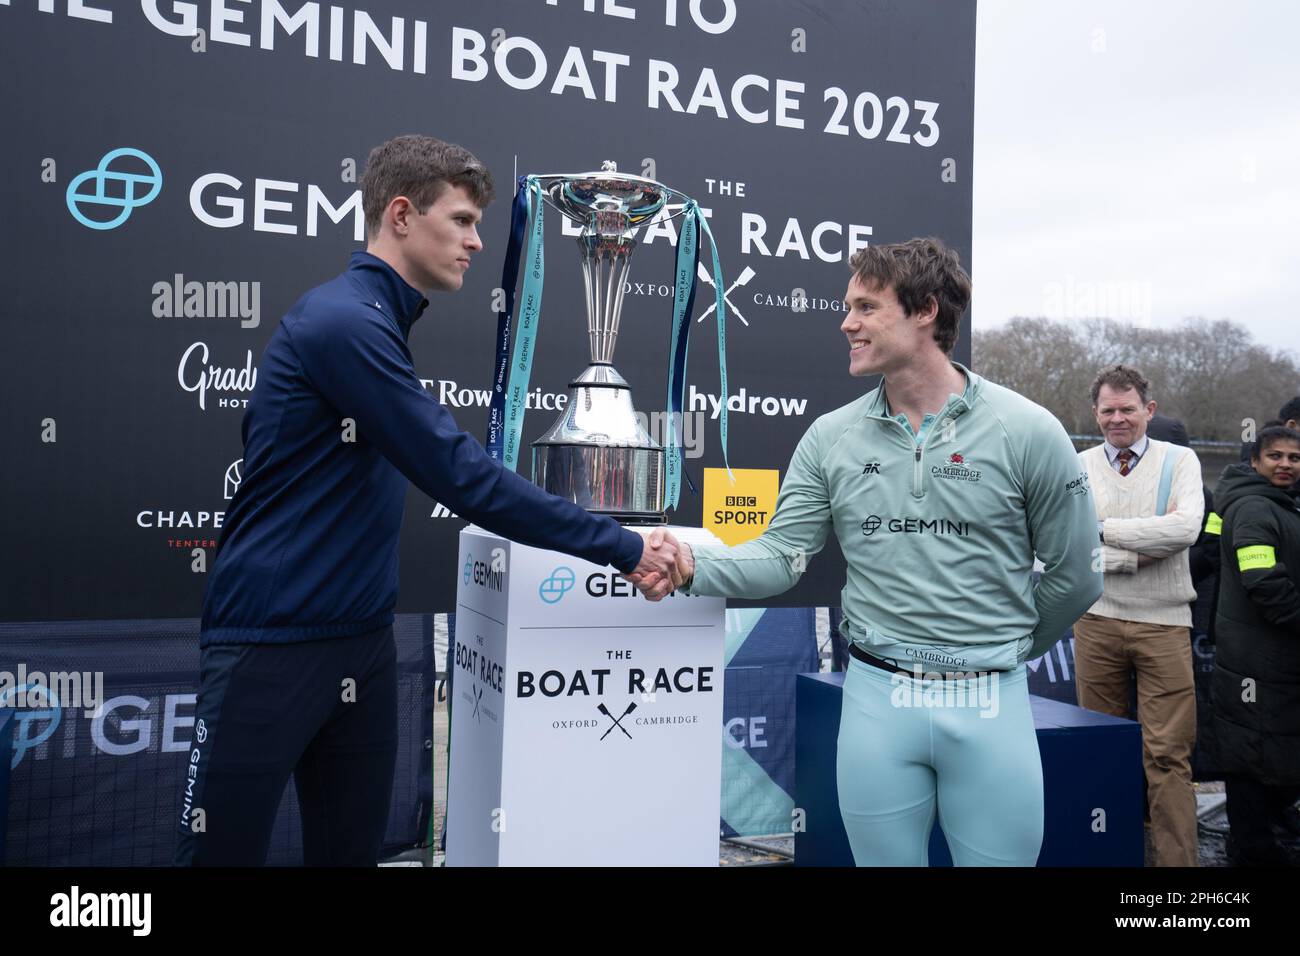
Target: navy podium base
[(1092, 777)]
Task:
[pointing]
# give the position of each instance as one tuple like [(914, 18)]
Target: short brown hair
[(1121, 378), (918, 270), (419, 168)]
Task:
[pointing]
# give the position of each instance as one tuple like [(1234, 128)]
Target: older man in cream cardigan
[(1150, 508)]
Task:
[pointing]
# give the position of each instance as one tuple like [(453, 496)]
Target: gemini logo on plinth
[(116, 187), (490, 576), (560, 583)]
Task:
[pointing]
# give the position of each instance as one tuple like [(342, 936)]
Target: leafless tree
[(1210, 374)]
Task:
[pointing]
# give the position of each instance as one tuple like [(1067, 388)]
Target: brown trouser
[(1106, 652)]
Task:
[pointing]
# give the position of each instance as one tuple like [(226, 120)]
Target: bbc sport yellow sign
[(740, 512)]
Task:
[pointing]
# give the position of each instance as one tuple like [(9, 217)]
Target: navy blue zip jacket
[(309, 546)]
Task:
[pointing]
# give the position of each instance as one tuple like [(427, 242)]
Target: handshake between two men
[(666, 564)]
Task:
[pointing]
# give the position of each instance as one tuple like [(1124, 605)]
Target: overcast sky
[(1138, 159)]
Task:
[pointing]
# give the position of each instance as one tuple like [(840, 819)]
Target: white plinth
[(585, 725)]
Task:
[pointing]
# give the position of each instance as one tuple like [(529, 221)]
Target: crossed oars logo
[(605, 710), (741, 279)]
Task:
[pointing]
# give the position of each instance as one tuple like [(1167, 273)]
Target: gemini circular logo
[(115, 188), (557, 585), (870, 526), (469, 567), (52, 713)]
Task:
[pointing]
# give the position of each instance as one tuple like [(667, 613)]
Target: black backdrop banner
[(178, 174)]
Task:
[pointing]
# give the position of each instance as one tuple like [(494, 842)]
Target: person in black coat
[(1289, 414), (1255, 688)]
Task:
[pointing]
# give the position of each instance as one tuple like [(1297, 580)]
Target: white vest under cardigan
[(1161, 592)]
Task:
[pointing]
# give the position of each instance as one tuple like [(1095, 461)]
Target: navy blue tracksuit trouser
[(324, 711)]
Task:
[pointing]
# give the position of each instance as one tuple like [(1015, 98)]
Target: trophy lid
[(578, 195)]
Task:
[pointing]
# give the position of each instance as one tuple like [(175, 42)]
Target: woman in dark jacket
[(1255, 688)]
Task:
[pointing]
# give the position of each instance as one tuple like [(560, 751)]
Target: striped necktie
[(1125, 461)]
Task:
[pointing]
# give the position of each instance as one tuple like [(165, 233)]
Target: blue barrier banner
[(1052, 674), (6, 757), (766, 648), (105, 789)]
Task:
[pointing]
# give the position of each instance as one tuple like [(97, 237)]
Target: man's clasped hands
[(666, 564)]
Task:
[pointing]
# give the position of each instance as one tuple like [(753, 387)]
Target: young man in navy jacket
[(298, 663)]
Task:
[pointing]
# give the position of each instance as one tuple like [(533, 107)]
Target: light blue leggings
[(903, 743)]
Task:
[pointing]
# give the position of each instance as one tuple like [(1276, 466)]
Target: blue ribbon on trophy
[(519, 216), (720, 314), (597, 454), (688, 257)]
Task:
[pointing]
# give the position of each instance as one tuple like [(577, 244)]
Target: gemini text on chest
[(102, 909)]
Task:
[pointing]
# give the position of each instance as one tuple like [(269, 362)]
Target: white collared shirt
[(1138, 448)]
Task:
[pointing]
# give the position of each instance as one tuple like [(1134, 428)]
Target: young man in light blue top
[(941, 488)]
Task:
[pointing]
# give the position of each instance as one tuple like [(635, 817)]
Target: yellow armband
[(1256, 557)]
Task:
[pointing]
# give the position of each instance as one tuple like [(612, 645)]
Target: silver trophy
[(596, 454)]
